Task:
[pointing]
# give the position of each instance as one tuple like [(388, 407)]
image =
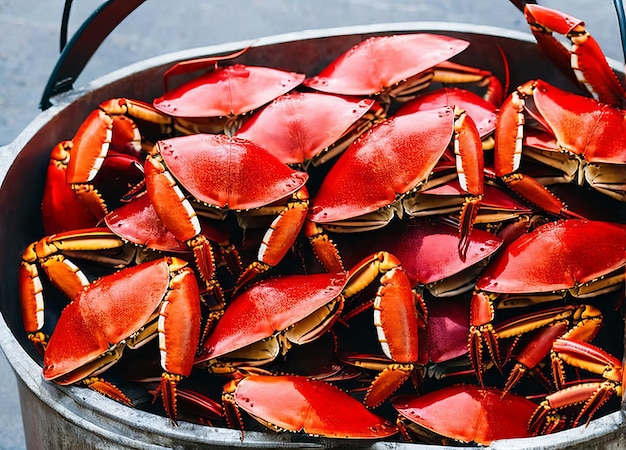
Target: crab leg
[(531, 355), (279, 237), (396, 319), (583, 322), (509, 140), (585, 57), (470, 169), (593, 394), (324, 248), (482, 333), (48, 253), (105, 130), (569, 322), (589, 357), (450, 72), (179, 217), (179, 331)]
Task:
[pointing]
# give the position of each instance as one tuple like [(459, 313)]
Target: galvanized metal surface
[(42, 422)]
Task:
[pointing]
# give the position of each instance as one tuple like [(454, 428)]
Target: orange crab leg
[(178, 216), (589, 357), (107, 389), (470, 169), (509, 140), (583, 321), (179, 331), (47, 253), (324, 248), (107, 129), (396, 319), (531, 355), (587, 322), (585, 57), (592, 394), (450, 72), (279, 237), (192, 65), (482, 333)]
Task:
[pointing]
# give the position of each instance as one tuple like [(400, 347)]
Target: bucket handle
[(78, 51)]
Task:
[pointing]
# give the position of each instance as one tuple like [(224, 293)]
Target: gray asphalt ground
[(29, 49)]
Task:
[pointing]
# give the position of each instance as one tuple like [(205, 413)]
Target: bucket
[(70, 417)]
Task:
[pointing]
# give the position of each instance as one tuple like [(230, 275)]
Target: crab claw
[(482, 333), (168, 388), (398, 312), (547, 419), (279, 237), (531, 355), (470, 168), (585, 57)]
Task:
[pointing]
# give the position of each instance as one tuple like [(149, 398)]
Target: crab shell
[(227, 91), (581, 125), (497, 204), (446, 331), (467, 414), (428, 251), (61, 208), (297, 403), (381, 62), (137, 222), (386, 162), (229, 172), (482, 112), (270, 307), (114, 308), (561, 255), (298, 126)]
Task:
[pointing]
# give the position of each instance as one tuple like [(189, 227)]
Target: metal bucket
[(71, 417)]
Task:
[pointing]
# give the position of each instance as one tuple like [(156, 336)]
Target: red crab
[(551, 262), (217, 174), (266, 319), (482, 112), (428, 250), (581, 137), (584, 59), (217, 100), (300, 404), (376, 177), (398, 67), (463, 414), (309, 127), (126, 309)]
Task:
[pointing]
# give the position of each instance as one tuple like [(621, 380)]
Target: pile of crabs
[(390, 249)]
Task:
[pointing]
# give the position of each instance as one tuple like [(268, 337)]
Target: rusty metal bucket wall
[(70, 417)]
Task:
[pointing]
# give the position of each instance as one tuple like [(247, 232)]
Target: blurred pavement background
[(29, 49)]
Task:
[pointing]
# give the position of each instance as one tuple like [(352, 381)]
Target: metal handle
[(83, 44)]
